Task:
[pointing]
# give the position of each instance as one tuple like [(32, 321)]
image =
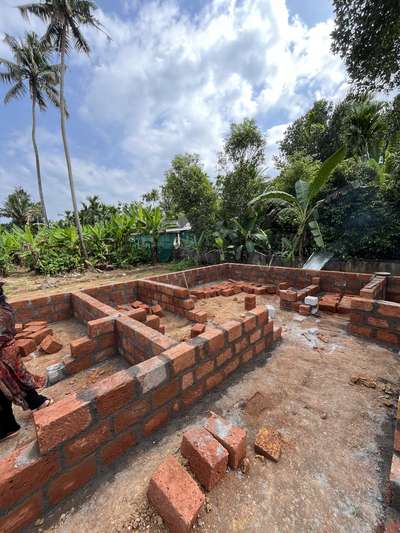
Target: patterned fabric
[(14, 377)]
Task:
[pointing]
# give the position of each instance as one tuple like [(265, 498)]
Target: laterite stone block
[(175, 496), (231, 437), (208, 459)]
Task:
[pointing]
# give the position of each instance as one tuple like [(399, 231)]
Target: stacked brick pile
[(36, 335), (209, 450), (292, 299), (232, 287)]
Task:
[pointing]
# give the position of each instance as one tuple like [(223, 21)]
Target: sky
[(173, 77)]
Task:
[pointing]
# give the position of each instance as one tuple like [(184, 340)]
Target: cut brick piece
[(25, 346), (231, 437), (175, 496), (249, 302), (197, 329), (50, 345), (269, 443), (207, 458), (40, 335), (153, 321), (157, 310), (304, 309)]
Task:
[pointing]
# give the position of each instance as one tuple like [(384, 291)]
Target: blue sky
[(173, 78)]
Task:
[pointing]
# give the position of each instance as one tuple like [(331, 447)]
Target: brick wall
[(115, 294), (86, 308), (51, 308), (376, 319), (80, 437), (171, 297), (194, 276), (375, 289)]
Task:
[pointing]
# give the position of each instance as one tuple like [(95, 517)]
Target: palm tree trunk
[(66, 151), (38, 172)]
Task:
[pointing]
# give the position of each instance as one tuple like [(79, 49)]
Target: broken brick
[(231, 437), (175, 496), (197, 329), (157, 310), (249, 302), (208, 459), (269, 444), (50, 345)]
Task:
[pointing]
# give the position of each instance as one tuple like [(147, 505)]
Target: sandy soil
[(25, 285), (338, 442)]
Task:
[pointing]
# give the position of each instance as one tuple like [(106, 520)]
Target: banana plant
[(251, 238), (152, 222), (303, 205)]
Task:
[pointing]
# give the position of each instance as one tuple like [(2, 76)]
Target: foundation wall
[(81, 436), (50, 308), (376, 319), (114, 294)]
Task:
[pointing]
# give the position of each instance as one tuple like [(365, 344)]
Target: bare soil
[(23, 285), (338, 440)]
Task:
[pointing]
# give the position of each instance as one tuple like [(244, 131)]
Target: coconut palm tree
[(20, 208), (31, 72), (304, 205), (64, 19)]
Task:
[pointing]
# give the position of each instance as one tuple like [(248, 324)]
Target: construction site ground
[(338, 439)]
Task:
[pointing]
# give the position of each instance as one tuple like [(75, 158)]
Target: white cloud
[(168, 83)]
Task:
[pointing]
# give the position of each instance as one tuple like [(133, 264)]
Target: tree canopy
[(367, 37)]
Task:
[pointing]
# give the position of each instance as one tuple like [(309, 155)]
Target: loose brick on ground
[(249, 302), (197, 329), (231, 437), (25, 346), (175, 496), (208, 459), (269, 444), (50, 345)]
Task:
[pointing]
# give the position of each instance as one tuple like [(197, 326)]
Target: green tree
[(152, 197), (20, 208), (241, 166), (64, 19), (188, 190), (303, 205), (367, 36), (365, 128), (32, 72)]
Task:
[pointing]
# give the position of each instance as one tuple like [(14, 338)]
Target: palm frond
[(276, 196), (17, 91), (325, 171)]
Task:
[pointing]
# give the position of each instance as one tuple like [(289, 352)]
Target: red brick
[(315, 280), (328, 305), (156, 421), (249, 323), (200, 316), (165, 393), (249, 302), (100, 326), (215, 339), (277, 334), (260, 290), (390, 309), (377, 322), (36, 324), (136, 304), (344, 306), (175, 496), (188, 304), (187, 380), (284, 285), (23, 472), (60, 422), (87, 443), (234, 329), (215, 379), (138, 314), (388, 336), (207, 458), (74, 366), (228, 292), (39, 335), (25, 346), (231, 366), (192, 394), (71, 480), (113, 392), (157, 310), (304, 309), (288, 296), (153, 321), (204, 369), (50, 345), (161, 329), (181, 356), (364, 331), (19, 328), (21, 517), (254, 337), (231, 437), (118, 446), (224, 356), (361, 304), (261, 314), (197, 329), (241, 345), (131, 415)]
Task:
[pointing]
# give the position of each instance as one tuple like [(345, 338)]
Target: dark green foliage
[(367, 37), (188, 190), (21, 209)]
